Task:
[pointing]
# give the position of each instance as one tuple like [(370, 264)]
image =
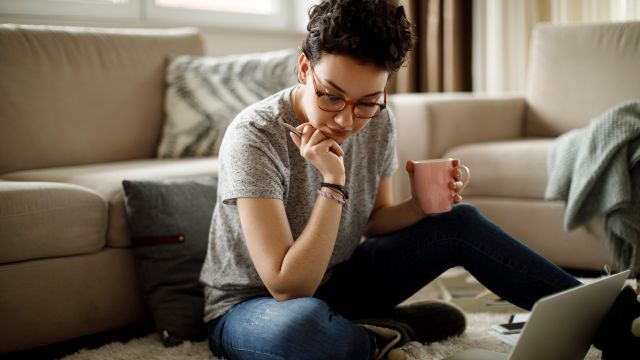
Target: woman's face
[(338, 76)]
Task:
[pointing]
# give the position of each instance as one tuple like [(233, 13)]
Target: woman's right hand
[(324, 153)]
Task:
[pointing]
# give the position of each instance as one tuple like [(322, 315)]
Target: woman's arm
[(388, 217), (289, 269)]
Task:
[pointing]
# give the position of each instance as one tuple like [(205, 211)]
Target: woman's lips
[(339, 133)]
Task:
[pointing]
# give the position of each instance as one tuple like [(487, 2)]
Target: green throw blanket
[(596, 171)]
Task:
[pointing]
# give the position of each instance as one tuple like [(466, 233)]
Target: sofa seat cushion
[(506, 168), (106, 179), (45, 220)]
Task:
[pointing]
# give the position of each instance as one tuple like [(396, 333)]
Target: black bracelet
[(336, 187)]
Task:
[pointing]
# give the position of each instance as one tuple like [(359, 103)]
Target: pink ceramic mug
[(432, 179)]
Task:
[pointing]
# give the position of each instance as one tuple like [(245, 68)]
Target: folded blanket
[(595, 170)]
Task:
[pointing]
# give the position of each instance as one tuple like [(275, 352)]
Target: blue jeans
[(383, 272)]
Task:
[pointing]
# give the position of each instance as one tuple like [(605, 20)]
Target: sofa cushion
[(169, 222), (67, 297), (205, 93), (43, 220), (106, 179), (578, 71), (76, 95), (538, 224), (505, 168)]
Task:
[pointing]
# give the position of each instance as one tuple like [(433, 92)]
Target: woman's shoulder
[(259, 125), (263, 114)]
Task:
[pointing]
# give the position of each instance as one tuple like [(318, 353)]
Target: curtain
[(441, 58), (502, 32)]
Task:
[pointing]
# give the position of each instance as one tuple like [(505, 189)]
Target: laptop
[(561, 326)]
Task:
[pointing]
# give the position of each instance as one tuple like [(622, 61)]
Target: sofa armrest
[(428, 125)]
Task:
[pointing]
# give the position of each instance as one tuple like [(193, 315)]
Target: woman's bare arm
[(289, 269)]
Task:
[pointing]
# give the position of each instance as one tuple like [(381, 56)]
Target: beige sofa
[(80, 110), (575, 73)]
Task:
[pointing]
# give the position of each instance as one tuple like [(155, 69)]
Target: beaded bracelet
[(337, 188), (330, 196)]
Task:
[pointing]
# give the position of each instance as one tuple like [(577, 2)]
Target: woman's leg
[(386, 270), (304, 328)]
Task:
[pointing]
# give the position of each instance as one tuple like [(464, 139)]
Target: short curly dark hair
[(371, 31)]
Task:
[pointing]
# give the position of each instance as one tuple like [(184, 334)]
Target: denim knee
[(465, 210), (471, 217), (324, 333), (459, 213), (303, 328)]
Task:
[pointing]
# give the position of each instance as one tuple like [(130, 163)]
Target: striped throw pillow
[(205, 93)]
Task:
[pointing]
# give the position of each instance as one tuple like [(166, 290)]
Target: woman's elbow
[(290, 295), (284, 293), (284, 297)]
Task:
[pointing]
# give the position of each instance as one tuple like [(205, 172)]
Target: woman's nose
[(344, 117)]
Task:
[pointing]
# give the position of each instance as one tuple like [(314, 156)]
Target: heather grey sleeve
[(390, 164), (251, 163)]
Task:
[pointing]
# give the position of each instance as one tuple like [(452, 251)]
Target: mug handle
[(465, 176)]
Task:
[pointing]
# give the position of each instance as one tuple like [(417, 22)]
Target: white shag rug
[(150, 347)]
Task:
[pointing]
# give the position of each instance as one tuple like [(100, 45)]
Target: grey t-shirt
[(258, 159)]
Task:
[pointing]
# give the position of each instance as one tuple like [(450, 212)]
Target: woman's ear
[(303, 67)]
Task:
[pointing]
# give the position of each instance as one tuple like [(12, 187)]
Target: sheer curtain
[(502, 31)]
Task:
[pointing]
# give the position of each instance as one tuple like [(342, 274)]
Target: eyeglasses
[(334, 103)]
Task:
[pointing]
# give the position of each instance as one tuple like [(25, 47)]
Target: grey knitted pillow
[(169, 222)]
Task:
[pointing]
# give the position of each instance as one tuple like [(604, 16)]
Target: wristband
[(330, 196), (338, 188)]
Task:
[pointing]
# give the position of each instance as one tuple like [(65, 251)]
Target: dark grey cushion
[(169, 223)]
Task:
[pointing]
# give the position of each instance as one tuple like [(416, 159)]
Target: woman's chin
[(338, 137)]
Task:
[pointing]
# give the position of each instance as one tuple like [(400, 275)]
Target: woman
[(286, 275)]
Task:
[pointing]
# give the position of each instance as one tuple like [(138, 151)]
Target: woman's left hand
[(456, 185)]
